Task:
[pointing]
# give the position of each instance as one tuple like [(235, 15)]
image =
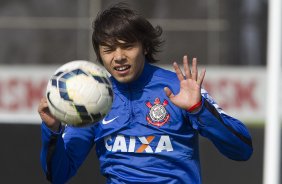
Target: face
[(124, 62)]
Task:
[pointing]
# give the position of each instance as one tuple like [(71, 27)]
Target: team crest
[(158, 115)]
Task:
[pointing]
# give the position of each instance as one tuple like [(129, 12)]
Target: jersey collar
[(139, 83)]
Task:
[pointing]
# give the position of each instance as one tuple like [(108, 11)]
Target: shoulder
[(164, 74), (165, 78)]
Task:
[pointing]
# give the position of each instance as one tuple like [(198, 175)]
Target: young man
[(151, 133)]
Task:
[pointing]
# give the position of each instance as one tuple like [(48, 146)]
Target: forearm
[(54, 158), (229, 135)]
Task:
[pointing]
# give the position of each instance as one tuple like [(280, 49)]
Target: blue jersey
[(145, 138)]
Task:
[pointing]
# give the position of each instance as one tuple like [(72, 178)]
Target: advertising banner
[(240, 91)]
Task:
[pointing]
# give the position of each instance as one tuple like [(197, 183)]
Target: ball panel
[(67, 75), (54, 82), (65, 95), (83, 113), (97, 117), (58, 73), (104, 89), (78, 72), (62, 85)]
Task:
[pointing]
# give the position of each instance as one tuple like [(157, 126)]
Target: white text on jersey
[(138, 144)]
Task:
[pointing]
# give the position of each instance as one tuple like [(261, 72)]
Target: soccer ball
[(79, 93)]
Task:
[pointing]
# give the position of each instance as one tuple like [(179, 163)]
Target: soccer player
[(151, 133)]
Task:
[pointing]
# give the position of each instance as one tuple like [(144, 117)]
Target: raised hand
[(190, 85)]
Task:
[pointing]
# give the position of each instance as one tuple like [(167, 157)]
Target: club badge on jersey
[(158, 115)]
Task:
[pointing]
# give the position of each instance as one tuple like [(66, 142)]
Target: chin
[(124, 80)]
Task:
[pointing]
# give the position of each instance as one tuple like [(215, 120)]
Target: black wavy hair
[(122, 23)]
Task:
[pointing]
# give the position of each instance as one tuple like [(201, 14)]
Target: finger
[(42, 108), (168, 92), (186, 67), (44, 102), (201, 77), (44, 99), (42, 105), (178, 71), (194, 69)]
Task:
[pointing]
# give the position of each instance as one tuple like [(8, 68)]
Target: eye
[(107, 49), (128, 46)]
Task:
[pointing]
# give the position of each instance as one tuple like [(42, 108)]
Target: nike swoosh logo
[(108, 121)]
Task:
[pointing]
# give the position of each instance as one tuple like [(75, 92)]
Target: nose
[(119, 54)]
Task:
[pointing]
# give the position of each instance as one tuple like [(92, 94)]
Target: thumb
[(168, 92)]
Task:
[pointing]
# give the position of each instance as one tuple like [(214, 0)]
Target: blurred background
[(37, 36)]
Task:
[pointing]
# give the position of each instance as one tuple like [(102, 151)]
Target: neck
[(143, 78)]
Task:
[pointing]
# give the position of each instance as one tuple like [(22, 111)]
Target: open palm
[(190, 85)]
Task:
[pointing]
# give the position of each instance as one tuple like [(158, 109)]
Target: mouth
[(122, 68)]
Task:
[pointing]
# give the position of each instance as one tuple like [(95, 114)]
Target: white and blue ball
[(79, 93)]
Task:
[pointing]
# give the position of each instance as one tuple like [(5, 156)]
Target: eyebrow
[(115, 44)]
